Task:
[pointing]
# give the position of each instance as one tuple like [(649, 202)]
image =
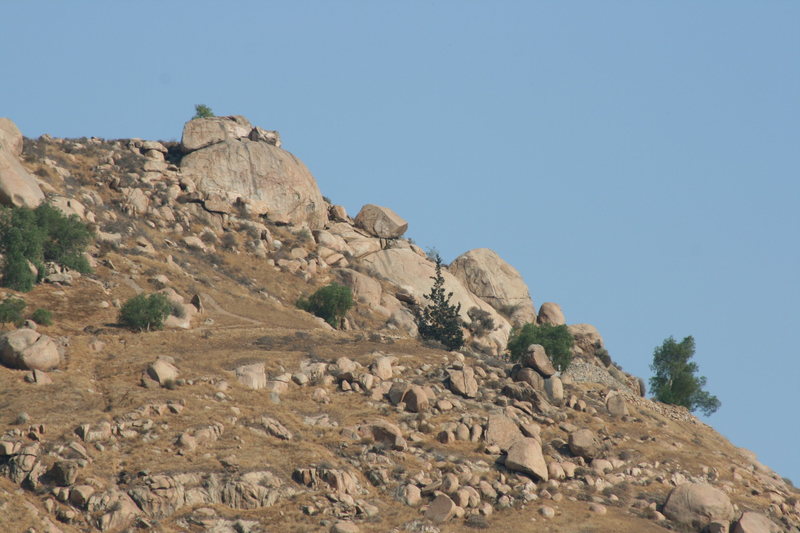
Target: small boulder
[(537, 359), (381, 222), (28, 349), (697, 505), (550, 313), (752, 522), (252, 376), (463, 382), (416, 399), (583, 443), (441, 509), (525, 456), (502, 431), (616, 405), (162, 371), (554, 389)]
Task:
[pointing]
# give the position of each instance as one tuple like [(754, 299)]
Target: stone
[(496, 282), (416, 399), (616, 405), (27, 349), (265, 136), (529, 376), (502, 431), (252, 376), (412, 495), (365, 289), (547, 511), (441, 509), (463, 382), (550, 313), (536, 358), (382, 367), (525, 456), (79, 495), (586, 339), (752, 522), (17, 186), (697, 505), (583, 443), (344, 526), (380, 222), (597, 508), (162, 371), (385, 433), (260, 174), (554, 389), (201, 132)]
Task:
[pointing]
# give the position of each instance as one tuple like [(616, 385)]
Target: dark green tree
[(144, 312), (202, 111), (556, 341), (440, 320), (675, 381), (330, 303)]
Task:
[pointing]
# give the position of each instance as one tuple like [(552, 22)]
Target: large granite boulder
[(202, 132), (17, 186), (380, 222), (271, 180), (496, 282), (550, 313), (525, 455), (586, 339), (28, 349), (414, 273), (697, 505)]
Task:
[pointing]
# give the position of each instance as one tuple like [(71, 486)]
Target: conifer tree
[(440, 320)]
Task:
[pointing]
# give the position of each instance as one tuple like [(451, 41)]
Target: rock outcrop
[(226, 164), (496, 282), (380, 222), (17, 186)]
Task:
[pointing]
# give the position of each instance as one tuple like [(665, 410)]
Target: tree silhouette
[(675, 381)]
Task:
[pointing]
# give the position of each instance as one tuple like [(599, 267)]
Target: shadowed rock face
[(496, 282), (264, 175)]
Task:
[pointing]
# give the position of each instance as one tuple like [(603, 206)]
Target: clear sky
[(637, 161)]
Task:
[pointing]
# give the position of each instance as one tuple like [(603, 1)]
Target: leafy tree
[(145, 312), (556, 341), (440, 320), (202, 111), (330, 303), (675, 381), (38, 236)]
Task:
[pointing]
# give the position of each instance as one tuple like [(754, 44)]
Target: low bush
[(556, 340), (481, 322), (11, 310), (330, 303), (142, 312), (42, 317), (202, 111)]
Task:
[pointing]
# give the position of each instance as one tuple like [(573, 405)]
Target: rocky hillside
[(246, 414)]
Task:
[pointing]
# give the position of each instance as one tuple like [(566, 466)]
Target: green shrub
[(481, 322), (11, 310), (556, 340), (202, 111), (145, 312), (37, 236), (330, 303), (440, 320), (43, 317)]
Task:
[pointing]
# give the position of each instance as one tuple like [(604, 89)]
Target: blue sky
[(636, 161)]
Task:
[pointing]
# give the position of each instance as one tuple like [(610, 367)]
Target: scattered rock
[(752, 522), (380, 222), (550, 313), (463, 382), (697, 505), (525, 456), (28, 349), (502, 431), (583, 443), (163, 371), (441, 510), (536, 358)]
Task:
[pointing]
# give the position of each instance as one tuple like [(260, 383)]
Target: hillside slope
[(248, 414)]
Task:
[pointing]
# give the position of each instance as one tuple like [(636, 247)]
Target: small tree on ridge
[(675, 381)]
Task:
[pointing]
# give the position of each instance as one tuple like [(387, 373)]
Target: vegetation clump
[(675, 381), (481, 322), (556, 341), (143, 313), (330, 303), (11, 310), (440, 320), (43, 317), (202, 111), (31, 237)]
